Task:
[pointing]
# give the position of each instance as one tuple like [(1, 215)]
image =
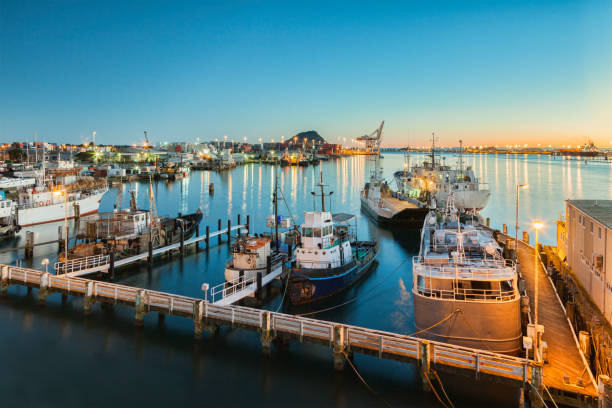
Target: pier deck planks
[(563, 355)]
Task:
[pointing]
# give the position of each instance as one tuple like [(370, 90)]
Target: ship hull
[(233, 273), (491, 326), (408, 217), (57, 212), (308, 286)]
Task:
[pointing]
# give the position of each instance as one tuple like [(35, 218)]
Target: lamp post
[(205, 287), (516, 227), (45, 262), (537, 225)]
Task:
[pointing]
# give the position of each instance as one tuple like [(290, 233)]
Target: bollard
[(207, 237), (219, 230), (229, 231), (139, 308), (248, 224), (197, 244), (338, 350), (4, 280)]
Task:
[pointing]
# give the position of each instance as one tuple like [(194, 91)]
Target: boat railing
[(228, 288), (468, 261), (477, 270), (319, 264), (471, 295), (79, 264)]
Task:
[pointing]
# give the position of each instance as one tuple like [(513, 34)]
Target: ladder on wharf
[(343, 340)]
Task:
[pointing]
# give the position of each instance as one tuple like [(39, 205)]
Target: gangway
[(228, 293), (83, 266)]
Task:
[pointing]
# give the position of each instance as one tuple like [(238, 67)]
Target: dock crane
[(147, 144), (372, 144)]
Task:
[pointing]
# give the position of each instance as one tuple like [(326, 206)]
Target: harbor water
[(54, 356)]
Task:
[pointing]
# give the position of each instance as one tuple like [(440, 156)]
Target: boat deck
[(397, 205), (564, 357)]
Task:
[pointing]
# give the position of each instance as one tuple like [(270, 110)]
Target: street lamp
[(537, 225), (518, 187)]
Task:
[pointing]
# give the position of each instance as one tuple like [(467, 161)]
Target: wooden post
[(29, 245), (238, 220), (88, 300), (197, 244), (536, 382), (111, 268), (219, 230), (488, 222), (211, 188), (198, 308), (248, 224), (229, 231), (139, 308), (425, 364), (268, 271), (207, 237), (338, 347), (77, 211), (43, 291), (258, 291), (505, 229), (150, 257), (60, 239), (266, 333), (182, 232), (4, 280)]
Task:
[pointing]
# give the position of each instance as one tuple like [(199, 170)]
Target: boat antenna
[(461, 157), (276, 208)]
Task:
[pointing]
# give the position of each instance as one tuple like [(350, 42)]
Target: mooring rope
[(443, 390), (364, 381)]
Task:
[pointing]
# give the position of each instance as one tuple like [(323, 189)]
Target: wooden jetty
[(343, 340), (566, 373)]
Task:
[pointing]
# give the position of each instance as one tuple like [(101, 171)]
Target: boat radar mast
[(322, 194)]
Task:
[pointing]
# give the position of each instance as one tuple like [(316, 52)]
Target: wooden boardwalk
[(564, 356), (343, 340)]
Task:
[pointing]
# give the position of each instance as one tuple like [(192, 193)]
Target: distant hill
[(311, 136)]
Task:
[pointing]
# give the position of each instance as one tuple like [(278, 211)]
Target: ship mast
[(276, 208), (461, 157), (433, 150), (322, 186)]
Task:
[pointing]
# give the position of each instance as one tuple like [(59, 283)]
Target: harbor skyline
[(490, 74)]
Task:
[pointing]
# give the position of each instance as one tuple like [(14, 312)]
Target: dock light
[(205, 287), (45, 262), (538, 225)]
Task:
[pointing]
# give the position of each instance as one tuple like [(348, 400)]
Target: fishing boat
[(464, 291), (128, 232), (377, 199), (8, 222), (329, 258), (430, 183)]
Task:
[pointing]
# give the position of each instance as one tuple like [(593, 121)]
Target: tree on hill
[(310, 136)]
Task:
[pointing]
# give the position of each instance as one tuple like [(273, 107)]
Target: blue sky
[(492, 72)]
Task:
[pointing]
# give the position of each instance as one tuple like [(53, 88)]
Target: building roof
[(600, 210)]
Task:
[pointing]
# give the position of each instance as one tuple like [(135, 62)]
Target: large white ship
[(464, 291), (431, 182)]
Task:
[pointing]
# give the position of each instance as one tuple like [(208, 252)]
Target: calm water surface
[(53, 355)]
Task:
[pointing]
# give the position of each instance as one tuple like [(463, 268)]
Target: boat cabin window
[(317, 232), (307, 232)]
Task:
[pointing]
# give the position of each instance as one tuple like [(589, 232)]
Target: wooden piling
[(505, 229), (211, 188), (111, 268), (238, 220), (150, 256), (207, 237), (139, 308), (425, 364), (4, 280), (29, 245), (604, 391), (266, 333), (198, 308), (60, 239), (88, 300), (248, 224), (182, 247), (77, 211), (258, 291), (229, 231), (197, 244), (219, 229), (43, 289), (338, 350), (488, 222)]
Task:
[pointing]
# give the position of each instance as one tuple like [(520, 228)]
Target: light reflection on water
[(60, 338)]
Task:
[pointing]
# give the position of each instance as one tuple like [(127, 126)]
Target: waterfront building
[(584, 239)]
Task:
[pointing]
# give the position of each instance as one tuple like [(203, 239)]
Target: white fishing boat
[(430, 183), (250, 256), (8, 224), (464, 291)]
